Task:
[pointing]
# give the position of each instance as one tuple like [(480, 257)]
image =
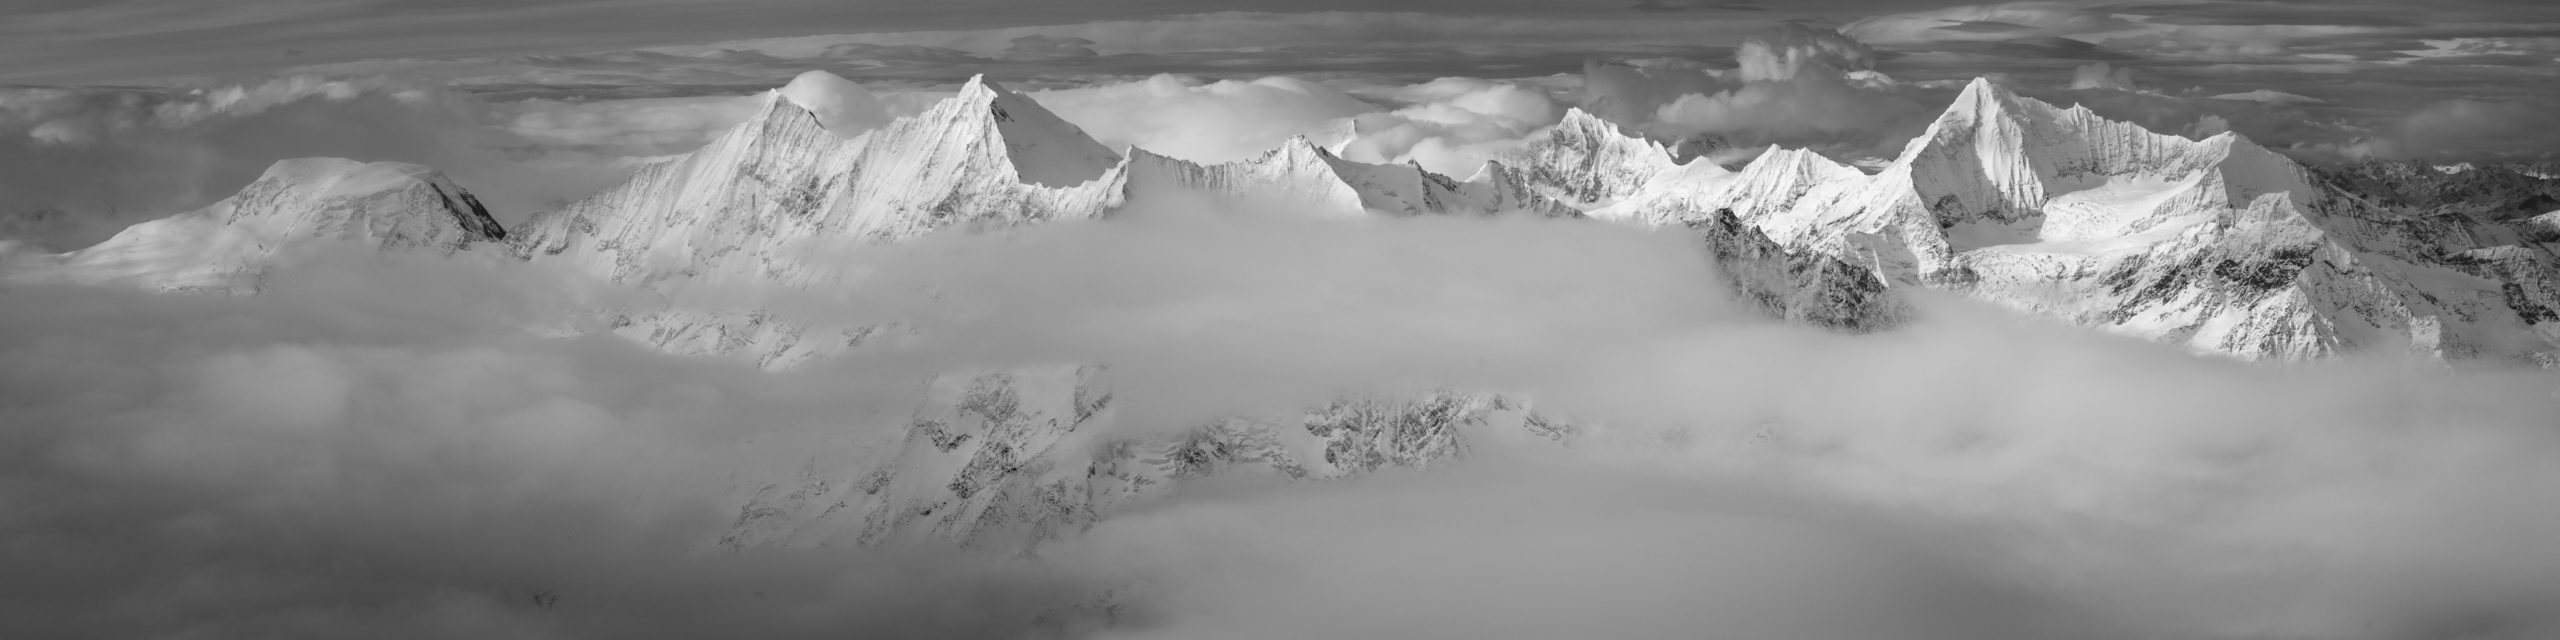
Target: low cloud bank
[(1452, 126), (1449, 126), (376, 446), (377, 449), (2466, 129), (1795, 86), (1209, 122)]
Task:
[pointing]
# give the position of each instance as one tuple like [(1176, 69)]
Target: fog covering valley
[(569, 350), (376, 446)]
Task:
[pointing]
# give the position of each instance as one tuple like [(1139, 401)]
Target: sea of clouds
[(378, 446), (384, 446)]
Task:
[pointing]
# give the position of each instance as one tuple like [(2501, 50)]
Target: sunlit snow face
[(374, 444)]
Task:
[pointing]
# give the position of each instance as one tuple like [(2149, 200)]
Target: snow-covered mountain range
[(2217, 245)]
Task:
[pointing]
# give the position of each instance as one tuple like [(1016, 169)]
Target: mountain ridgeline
[(2216, 245)]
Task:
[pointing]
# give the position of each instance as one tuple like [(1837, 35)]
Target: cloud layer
[(376, 444)]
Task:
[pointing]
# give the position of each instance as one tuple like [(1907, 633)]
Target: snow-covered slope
[(741, 208), (296, 205), (759, 203), (2216, 244)]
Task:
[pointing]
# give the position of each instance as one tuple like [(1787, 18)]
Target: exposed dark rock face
[(1806, 288)]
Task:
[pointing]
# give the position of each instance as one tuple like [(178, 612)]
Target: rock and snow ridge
[(1008, 459), (755, 204), (296, 206), (2218, 245), (985, 158), (741, 208)]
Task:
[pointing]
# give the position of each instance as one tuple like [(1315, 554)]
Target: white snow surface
[(296, 206)]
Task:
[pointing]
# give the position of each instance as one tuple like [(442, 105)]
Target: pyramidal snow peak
[(737, 209), (297, 206)]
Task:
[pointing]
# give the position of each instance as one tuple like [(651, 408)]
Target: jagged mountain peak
[(985, 157), (2218, 244), (1585, 162), (1982, 96), (1044, 149), (1301, 146), (1995, 160), (1580, 123)]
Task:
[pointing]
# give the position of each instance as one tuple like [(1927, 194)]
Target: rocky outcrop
[(1007, 459)]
